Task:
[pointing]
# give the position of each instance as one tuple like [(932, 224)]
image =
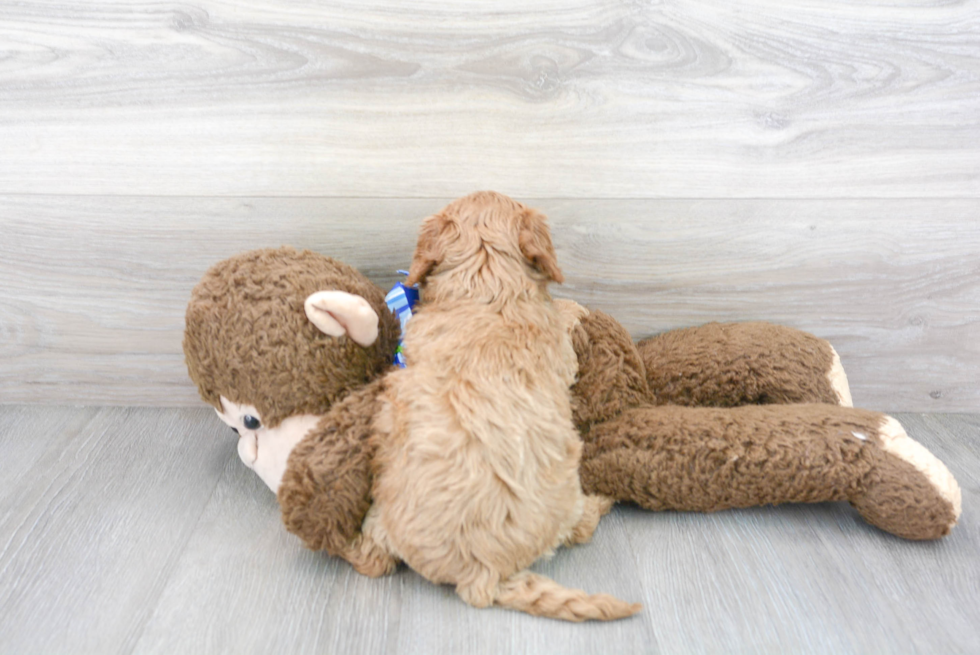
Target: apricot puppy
[(477, 454)]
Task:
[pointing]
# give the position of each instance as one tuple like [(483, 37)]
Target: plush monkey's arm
[(326, 489), (706, 459), (732, 364)]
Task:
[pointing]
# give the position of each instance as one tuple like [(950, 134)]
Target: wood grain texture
[(90, 528), (95, 315), (807, 98), (138, 530), (313, 603), (245, 585)]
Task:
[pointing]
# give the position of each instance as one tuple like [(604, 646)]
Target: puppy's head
[(485, 229)]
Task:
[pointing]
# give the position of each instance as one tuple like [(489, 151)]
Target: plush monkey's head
[(286, 332)]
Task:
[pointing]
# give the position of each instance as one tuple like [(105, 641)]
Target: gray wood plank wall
[(814, 163)]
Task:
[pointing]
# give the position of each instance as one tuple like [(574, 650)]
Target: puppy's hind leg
[(594, 508), (479, 587), (369, 553)]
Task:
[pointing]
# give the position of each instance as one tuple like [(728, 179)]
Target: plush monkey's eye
[(251, 422), (235, 430)]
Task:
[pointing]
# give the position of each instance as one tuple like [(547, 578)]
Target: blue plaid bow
[(400, 300)]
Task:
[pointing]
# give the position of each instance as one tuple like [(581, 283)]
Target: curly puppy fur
[(477, 454)]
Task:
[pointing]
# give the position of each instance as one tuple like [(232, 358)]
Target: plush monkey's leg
[(706, 459), (733, 364)]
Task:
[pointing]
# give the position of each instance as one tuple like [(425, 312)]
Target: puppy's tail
[(541, 596)]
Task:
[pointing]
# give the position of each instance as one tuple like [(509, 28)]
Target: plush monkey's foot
[(910, 493), (838, 380)]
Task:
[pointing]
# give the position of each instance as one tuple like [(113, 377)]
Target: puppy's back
[(486, 438)]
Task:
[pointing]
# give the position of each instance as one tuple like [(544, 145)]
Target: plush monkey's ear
[(338, 313), (431, 248), (535, 242)]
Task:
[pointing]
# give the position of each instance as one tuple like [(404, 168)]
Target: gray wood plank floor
[(138, 530)]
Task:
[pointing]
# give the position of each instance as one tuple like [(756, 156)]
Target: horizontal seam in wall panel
[(564, 198)]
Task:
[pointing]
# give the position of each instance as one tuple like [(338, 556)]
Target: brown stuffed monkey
[(290, 348)]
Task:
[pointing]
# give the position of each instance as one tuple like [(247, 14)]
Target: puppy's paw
[(595, 507), (476, 595), (369, 558)]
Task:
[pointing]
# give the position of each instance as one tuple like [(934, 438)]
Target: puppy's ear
[(535, 242), (431, 248)]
